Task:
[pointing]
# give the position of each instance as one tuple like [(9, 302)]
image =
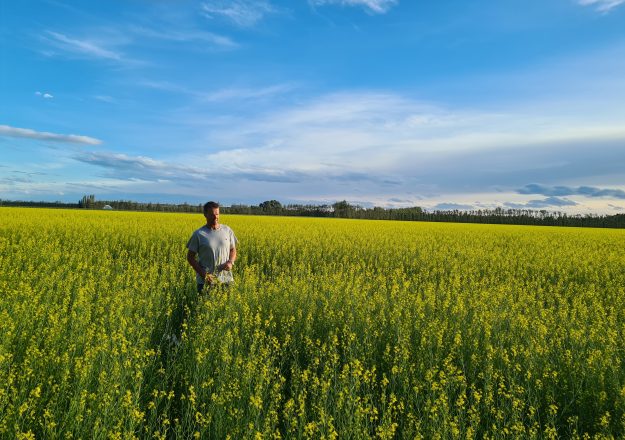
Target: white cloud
[(602, 5), (229, 94), (105, 98), (125, 167), (374, 6), (44, 95), (139, 167), (244, 13), (27, 133), (167, 86), (84, 47), (247, 93), (110, 41), (377, 132), (185, 35)]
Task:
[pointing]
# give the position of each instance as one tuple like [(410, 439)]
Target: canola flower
[(333, 329)]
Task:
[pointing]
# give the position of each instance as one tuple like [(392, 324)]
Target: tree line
[(343, 209)]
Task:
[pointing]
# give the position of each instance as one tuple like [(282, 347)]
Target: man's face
[(212, 216)]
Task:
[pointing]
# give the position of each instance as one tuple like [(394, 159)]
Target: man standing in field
[(212, 250)]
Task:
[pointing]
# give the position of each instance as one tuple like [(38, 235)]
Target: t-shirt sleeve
[(194, 243), (233, 240)]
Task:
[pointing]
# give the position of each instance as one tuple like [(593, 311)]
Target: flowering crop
[(333, 329)]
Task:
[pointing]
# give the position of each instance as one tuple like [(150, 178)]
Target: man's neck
[(212, 226)]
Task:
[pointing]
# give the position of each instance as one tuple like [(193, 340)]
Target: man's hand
[(210, 279), (227, 265)]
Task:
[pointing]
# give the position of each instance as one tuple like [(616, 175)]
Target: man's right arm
[(191, 258)]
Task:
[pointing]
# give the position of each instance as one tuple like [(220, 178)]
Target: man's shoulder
[(200, 230)]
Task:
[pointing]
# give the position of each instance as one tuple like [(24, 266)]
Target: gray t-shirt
[(213, 249)]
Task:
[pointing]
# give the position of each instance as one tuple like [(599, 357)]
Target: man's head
[(211, 212)]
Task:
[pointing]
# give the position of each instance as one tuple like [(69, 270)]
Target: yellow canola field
[(334, 329)]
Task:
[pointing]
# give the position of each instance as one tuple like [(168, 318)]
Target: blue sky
[(443, 105)]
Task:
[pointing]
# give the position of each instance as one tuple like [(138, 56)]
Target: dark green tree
[(271, 206), (343, 209)]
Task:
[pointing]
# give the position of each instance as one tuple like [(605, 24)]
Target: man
[(214, 245)]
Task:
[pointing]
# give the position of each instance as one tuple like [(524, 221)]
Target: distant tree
[(343, 209), (271, 207), (87, 201)]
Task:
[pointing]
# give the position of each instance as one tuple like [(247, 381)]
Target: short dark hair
[(210, 205)]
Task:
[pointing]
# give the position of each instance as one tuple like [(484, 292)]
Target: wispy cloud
[(183, 36), (602, 5), (110, 41), (167, 86), (15, 180), (373, 6), (246, 93), (226, 94), (83, 47), (138, 167), (105, 98), (125, 167), (559, 191), (6, 130), (44, 95), (243, 13)]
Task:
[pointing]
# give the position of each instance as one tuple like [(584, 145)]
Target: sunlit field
[(334, 329)]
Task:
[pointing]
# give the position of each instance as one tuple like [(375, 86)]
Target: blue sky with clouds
[(444, 105)]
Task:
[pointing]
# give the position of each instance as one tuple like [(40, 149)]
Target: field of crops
[(334, 329)]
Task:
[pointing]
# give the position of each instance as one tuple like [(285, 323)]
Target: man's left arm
[(231, 258)]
